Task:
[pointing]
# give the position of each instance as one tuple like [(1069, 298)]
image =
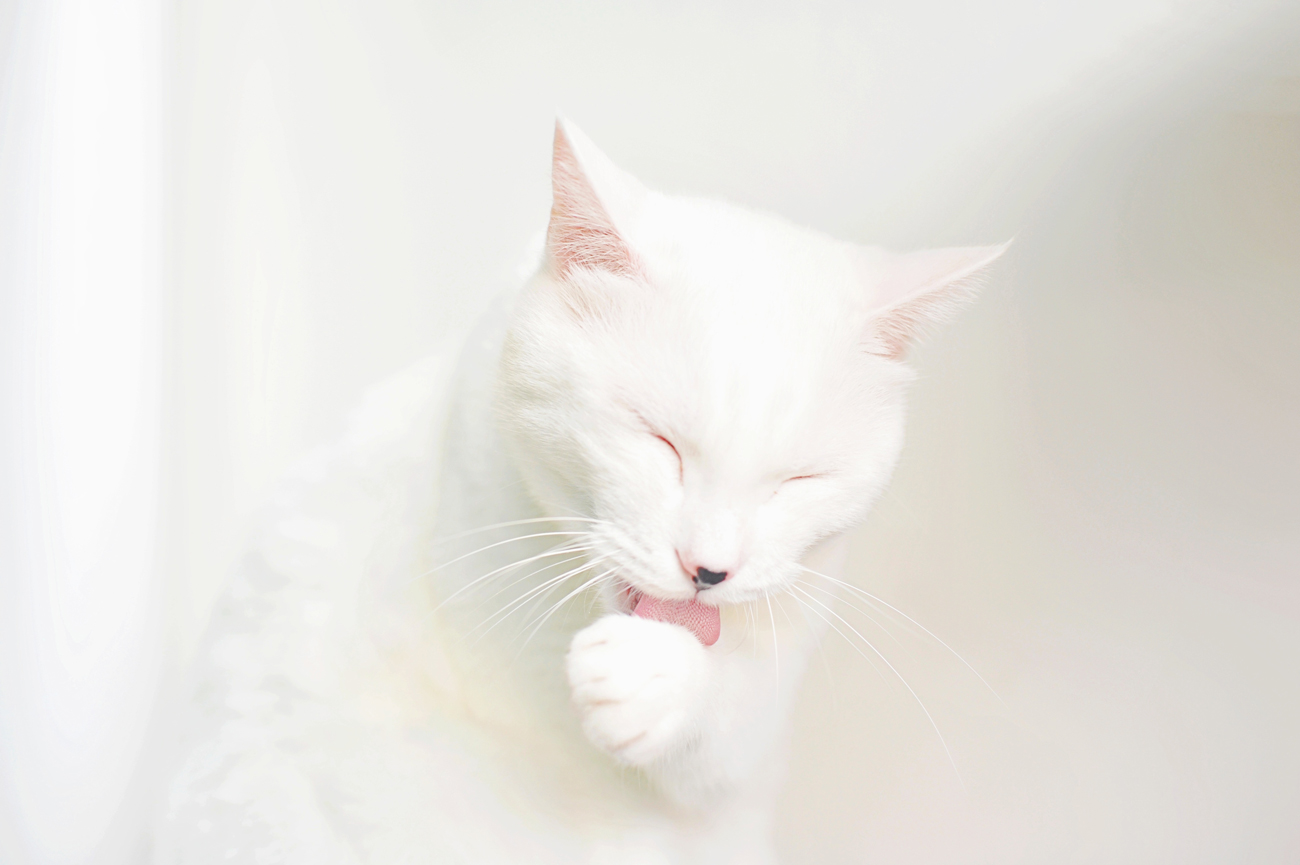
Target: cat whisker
[(510, 524), (821, 651), (593, 581), (853, 607), (776, 648), (578, 552), (531, 591), (501, 615), (493, 546), (804, 606), (563, 549), (505, 612), (571, 548), (538, 621), (751, 622), (544, 598), (873, 599), (786, 613), (894, 670), (878, 610), (744, 638)]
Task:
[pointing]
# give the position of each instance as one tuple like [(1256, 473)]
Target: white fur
[(680, 382)]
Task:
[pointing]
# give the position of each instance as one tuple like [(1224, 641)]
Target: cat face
[(720, 389)]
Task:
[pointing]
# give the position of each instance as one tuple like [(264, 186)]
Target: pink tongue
[(700, 619)]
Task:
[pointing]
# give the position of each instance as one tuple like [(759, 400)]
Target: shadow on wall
[(1098, 507)]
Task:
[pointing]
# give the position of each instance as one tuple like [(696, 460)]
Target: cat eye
[(645, 424), (680, 466)]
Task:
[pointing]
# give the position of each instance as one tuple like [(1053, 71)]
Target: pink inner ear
[(581, 233), (922, 289), (894, 331)]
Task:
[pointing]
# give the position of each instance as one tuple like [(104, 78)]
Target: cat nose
[(705, 577), (698, 574)]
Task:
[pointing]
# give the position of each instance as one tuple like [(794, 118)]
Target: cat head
[(720, 389)]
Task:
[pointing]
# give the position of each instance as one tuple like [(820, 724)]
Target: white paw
[(638, 685)]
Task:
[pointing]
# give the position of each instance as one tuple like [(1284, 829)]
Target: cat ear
[(919, 289), (590, 199)]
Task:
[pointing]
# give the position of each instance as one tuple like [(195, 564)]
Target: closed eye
[(811, 476), (645, 424), (681, 469)]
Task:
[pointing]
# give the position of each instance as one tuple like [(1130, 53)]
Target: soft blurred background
[(221, 221)]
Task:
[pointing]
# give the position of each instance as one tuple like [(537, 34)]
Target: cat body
[(549, 599)]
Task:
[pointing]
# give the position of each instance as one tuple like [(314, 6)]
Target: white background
[(219, 222)]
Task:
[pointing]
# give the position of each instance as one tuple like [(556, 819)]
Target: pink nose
[(700, 575)]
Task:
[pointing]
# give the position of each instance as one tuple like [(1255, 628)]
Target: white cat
[(551, 603)]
